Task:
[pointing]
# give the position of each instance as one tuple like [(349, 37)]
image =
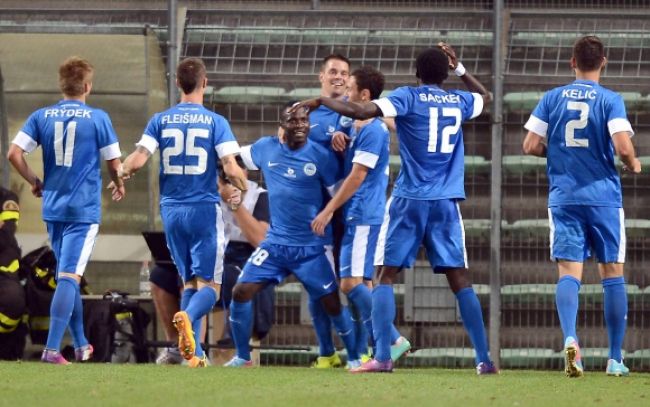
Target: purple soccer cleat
[(54, 357), (374, 366), (83, 353), (484, 368)]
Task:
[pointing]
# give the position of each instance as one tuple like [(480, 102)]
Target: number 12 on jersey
[(445, 146)]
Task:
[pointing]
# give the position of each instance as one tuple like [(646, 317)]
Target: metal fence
[(259, 59)]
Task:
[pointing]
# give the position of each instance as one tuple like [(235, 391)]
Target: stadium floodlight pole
[(496, 181), (172, 51), (4, 135)]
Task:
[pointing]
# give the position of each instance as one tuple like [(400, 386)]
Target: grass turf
[(36, 384)]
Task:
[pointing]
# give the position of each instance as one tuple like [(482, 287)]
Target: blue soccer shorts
[(408, 223), (576, 230), (358, 251), (72, 244), (195, 238), (312, 265)]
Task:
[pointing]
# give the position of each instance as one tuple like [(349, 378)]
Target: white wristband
[(460, 69)]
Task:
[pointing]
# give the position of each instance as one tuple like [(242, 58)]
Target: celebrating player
[(191, 139), (75, 138), (578, 127), (297, 171), (424, 204)]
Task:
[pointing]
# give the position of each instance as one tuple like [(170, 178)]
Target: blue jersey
[(324, 123), (191, 139), (295, 180), (578, 121), (428, 121), (75, 139), (368, 147)]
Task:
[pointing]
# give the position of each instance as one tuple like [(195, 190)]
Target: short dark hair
[(369, 78), (432, 66), (190, 74), (334, 56), (589, 53)]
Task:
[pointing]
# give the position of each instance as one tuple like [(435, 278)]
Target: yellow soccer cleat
[(327, 362), (186, 342), (197, 362)]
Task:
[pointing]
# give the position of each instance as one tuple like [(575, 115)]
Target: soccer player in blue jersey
[(191, 139), (75, 138), (363, 192), (424, 204), (579, 127), (297, 171)]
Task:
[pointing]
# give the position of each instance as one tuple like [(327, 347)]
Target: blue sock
[(76, 324), (241, 317), (383, 314), (470, 312), (566, 300), (60, 311), (322, 326), (361, 298), (394, 334), (200, 304), (615, 314), (186, 296), (346, 332)]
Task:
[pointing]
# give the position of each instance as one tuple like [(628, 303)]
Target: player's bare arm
[(348, 188), (625, 151), (534, 145), (473, 85), (233, 172), (16, 157), (117, 184), (350, 109)]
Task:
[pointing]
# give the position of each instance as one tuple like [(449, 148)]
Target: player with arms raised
[(191, 139), (578, 127), (424, 204), (75, 139)]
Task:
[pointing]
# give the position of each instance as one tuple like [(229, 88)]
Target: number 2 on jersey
[(446, 146), (576, 124), (180, 144)]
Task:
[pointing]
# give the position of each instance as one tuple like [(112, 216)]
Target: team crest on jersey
[(345, 122), (331, 130), (291, 173), (309, 169)]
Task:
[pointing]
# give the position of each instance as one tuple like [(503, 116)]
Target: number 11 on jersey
[(63, 154)]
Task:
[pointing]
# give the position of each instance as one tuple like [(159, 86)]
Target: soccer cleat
[(572, 360), (374, 366), (400, 347), (197, 362), (353, 364), (366, 357), (54, 357), (485, 368), (83, 353), (186, 343), (327, 362), (169, 356), (617, 369), (236, 361)]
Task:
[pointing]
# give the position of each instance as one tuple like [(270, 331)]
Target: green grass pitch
[(36, 384)]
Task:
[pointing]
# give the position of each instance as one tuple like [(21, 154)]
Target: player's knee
[(71, 276), (348, 284), (386, 274), (331, 303), (242, 293), (458, 279), (191, 284)]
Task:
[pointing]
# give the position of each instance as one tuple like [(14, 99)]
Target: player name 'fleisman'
[(58, 112), (186, 118), (579, 94)]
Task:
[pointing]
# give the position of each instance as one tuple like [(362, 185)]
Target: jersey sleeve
[(397, 103), (538, 121), (151, 135), (224, 141), (616, 116), (261, 211), (471, 104), (252, 154), (109, 147), (369, 145), (28, 138)]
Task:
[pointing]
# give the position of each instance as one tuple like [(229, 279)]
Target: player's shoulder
[(318, 150), (374, 128), (267, 142)]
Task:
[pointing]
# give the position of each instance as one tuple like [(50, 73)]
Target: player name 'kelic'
[(427, 97), (68, 113), (579, 94), (186, 118)]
